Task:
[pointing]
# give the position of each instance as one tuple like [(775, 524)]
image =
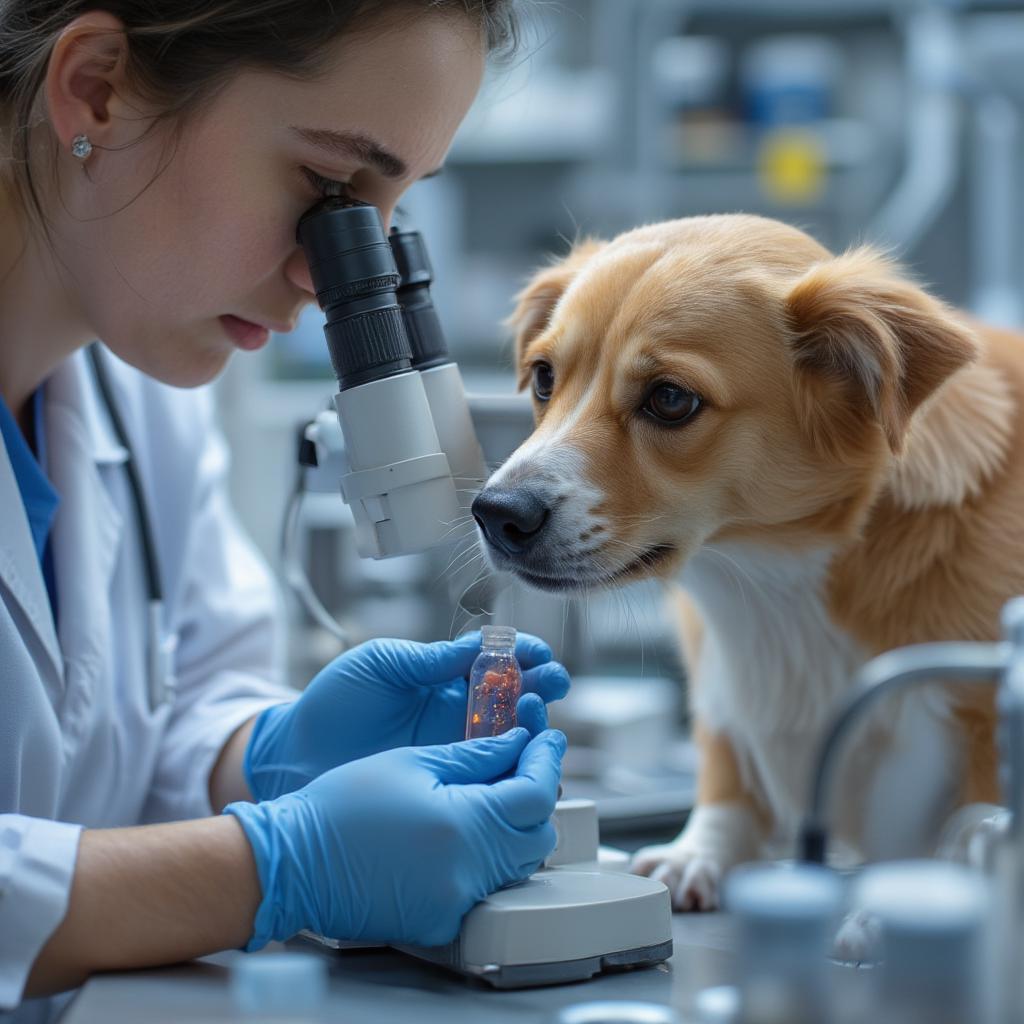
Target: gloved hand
[(380, 695), (399, 846)]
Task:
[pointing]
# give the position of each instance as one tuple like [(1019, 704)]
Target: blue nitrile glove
[(397, 847), (380, 695)]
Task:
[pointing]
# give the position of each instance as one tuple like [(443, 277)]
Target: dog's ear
[(534, 304), (866, 340)]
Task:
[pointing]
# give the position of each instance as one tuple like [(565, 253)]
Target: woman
[(159, 157)]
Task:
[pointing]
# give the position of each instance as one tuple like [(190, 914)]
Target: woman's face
[(165, 263)]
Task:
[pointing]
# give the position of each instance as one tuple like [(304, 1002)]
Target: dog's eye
[(668, 403), (543, 381)]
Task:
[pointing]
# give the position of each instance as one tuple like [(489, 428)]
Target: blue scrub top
[(37, 493)]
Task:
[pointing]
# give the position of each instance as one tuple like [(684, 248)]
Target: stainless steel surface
[(383, 986)]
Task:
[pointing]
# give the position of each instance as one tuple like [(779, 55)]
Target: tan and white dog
[(826, 458)]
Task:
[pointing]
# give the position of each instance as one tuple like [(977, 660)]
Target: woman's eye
[(543, 381), (670, 404), (325, 186)]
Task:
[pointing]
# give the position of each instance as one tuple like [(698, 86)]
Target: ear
[(535, 303), (868, 342), (85, 82)]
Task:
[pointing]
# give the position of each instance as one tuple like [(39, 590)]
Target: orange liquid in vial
[(495, 685)]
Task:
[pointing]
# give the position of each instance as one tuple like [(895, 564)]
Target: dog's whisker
[(736, 571), (639, 518), (458, 519), (467, 559), (632, 615), (454, 530), (460, 525), (458, 603), (455, 557)]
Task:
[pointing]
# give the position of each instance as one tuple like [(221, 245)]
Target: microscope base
[(537, 975), (560, 925)]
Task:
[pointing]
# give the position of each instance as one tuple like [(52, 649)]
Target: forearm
[(227, 780), (151, 895)]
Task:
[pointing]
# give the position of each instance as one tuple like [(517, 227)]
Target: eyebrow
[(359, 146)]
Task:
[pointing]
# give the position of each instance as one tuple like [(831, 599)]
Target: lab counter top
[(383, 986)]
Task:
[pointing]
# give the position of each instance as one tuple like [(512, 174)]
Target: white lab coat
[(79, 743)]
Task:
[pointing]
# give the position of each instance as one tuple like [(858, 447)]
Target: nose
[(511, 520)]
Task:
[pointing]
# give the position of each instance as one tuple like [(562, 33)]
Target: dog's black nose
[(511, 520)]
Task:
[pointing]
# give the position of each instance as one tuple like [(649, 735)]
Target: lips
[(244, 333), (647, 560), (250, 335)]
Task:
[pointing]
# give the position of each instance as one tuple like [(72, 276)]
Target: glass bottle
[(495, 684)]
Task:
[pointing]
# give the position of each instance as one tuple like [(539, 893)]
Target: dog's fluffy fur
[(853, 481)]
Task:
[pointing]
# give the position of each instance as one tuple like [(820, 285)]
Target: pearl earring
[(81, 146)]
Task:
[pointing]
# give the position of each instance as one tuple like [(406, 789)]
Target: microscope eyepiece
[(356, 281), (422, 324)]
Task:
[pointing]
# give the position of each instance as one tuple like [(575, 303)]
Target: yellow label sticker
[(791, 166)]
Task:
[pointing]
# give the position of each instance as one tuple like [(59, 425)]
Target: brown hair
[(180, 52)]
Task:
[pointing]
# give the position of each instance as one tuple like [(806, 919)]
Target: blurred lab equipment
[(690, 76), (919, 917), (495, 683), (943, 940), (789, 84), (790, 80), (934, 121)]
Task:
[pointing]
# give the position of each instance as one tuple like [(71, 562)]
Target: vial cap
[(278, 983), (793, 892), (498, 636), (924, 896)]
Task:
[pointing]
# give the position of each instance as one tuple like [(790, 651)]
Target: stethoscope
[(160, 645)]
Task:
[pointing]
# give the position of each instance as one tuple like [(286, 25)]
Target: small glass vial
[(785, 916), (495, 684), (933, 918)]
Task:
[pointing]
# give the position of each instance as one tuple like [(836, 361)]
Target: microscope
[(402, 445)]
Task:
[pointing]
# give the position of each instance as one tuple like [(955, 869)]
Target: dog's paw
[(857, 939), (693, 880), (716, 838)]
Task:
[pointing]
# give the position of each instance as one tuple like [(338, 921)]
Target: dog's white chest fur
[(772, 669)]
